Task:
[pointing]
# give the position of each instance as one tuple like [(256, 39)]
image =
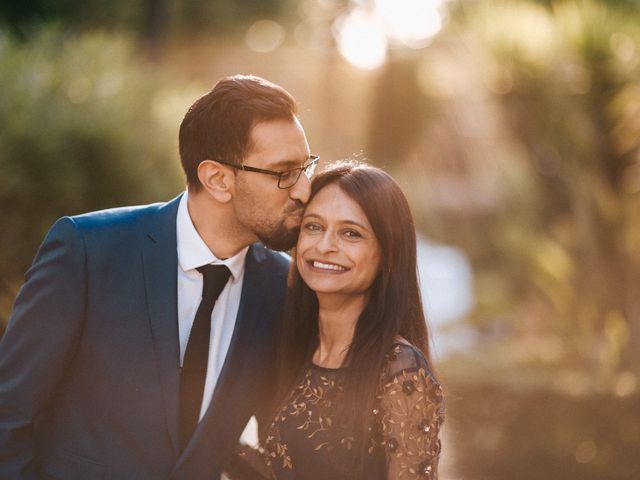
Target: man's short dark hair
[(218, 125)]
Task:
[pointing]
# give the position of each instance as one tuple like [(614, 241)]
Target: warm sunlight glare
[(363, 34), (412, 22), (361, 40)]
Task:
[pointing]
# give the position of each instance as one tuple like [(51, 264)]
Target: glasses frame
[(312, 163)]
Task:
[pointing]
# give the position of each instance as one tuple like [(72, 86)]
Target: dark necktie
[(196, 355)]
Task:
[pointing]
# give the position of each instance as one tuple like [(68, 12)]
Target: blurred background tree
[(78, 134), (512, 125)]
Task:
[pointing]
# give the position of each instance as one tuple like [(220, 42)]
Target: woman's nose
[(327, 242)]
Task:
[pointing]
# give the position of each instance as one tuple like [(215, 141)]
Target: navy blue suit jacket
[(89, 363)]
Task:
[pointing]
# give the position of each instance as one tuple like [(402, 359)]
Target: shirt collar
[(193, 252)]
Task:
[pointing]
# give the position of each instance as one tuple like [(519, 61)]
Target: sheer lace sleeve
[(410, 416), (247, 463)]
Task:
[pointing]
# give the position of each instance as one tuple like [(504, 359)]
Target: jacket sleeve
[(41, 337)]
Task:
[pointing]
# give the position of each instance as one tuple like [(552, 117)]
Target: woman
[(358, 397)]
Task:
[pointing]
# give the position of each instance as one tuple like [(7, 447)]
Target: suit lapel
[(231, 386), (160, 261)]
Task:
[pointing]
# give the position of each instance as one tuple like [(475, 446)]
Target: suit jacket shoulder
[(131, 218), (277, 261), (115, 230)]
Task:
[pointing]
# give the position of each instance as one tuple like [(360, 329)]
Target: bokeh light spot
[(623, 46), (586, 452), (412, 22), (625, 384), (265, 36), (361, 40), (498, 79)]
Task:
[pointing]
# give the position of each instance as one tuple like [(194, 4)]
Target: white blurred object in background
[(446, 281)]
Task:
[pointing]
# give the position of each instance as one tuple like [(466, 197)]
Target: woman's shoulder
[(408, 376), (404, 358)]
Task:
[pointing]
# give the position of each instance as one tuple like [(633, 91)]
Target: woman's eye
[(312, 227), (352, 234)]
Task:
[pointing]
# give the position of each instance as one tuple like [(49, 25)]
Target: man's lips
[(294, 208), (295, 213)]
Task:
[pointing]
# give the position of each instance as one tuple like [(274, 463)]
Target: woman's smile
[(326, 267), (337, 252)]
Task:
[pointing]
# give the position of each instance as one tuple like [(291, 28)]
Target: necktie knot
[(213, 269), (214, 279)]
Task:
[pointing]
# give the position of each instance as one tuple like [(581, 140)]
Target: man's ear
[(217, 179)]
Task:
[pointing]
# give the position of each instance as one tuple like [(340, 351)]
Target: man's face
[(272, 214)]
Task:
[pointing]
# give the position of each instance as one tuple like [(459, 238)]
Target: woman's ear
[(217, 179)]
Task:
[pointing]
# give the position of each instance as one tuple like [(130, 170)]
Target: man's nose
[(301, 190)]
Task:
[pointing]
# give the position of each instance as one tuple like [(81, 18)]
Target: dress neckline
[(315, 366)]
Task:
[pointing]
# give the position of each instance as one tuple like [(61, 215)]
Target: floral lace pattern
[(310, 407), (407, 419)]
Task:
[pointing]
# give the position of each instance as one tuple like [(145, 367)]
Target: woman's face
[(337, 251)]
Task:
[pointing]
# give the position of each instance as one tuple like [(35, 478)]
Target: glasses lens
[(289, 178), (310, 168)]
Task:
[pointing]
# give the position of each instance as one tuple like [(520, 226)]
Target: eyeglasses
[(286, 179)]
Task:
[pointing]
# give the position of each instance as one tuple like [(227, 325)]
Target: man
[(118, 361)]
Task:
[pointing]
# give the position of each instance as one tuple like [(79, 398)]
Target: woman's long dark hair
[(393, 308)]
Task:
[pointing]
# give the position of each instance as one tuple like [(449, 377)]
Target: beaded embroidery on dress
[(410, 416), (304, 441)]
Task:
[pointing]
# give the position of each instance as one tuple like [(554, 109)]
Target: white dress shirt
[(193, 253)]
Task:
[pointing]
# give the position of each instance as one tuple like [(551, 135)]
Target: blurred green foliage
[(528, 112), (79, 134), (568, 240), (146, 17), (528, 158)]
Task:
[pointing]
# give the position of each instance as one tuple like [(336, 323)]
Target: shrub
[(79, 134)]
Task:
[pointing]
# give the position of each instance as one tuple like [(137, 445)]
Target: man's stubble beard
[(281, 239), (274, 235)]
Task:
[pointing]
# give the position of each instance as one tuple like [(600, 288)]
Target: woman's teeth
[(328, 266)]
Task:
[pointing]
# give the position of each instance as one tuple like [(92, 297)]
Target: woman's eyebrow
[(357, 224), (349, 222)]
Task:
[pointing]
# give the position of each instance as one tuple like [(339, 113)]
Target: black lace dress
[(305, 441)]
